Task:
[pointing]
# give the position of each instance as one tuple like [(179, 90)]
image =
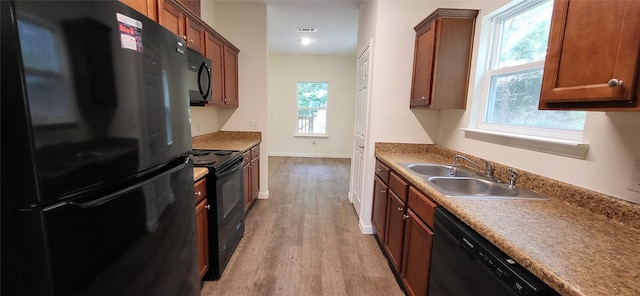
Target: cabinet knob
[(379, 170), (615, 83), (184, 37), (198, 193), (191, 41), (382, 190), (423, 98), (208, 207), (405, 217), (400, 209), (361, 146)]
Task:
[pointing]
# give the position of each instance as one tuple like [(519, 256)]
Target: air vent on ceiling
[(307, 29)]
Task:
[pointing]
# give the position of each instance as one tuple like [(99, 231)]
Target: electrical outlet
[(634, 182)]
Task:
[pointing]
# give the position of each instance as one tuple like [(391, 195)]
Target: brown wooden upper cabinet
[(224, 71), (193, 5), (176, 19), (146, 7), (593, 57), (442, 59)]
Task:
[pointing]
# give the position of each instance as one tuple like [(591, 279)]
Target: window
[(312, 108), (514, 76)]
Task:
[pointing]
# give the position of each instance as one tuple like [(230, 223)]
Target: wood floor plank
[(305, 239)]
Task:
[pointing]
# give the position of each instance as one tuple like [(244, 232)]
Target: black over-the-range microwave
[(199, 80)]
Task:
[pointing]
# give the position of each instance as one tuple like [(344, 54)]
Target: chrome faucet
[(513, 176), (488, 167)]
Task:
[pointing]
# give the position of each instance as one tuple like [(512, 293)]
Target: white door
[(360, 133)]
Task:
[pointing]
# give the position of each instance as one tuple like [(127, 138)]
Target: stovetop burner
[(200, 152), (223, 152), (214, 159)]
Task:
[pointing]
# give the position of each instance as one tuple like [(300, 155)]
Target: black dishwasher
[(464, 263)]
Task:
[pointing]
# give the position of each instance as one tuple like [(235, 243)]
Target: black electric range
[(225, 208), (214, 159)]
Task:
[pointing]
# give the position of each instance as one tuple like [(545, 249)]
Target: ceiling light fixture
[(305, 41)]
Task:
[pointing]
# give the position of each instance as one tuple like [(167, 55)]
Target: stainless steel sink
[(480, 188), (439, 170)]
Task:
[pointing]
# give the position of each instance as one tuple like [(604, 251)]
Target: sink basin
[(438, 170), (480, 188)]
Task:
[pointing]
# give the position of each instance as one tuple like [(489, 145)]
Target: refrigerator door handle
[(118, 193)]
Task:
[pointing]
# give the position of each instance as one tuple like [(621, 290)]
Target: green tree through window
[(312, 107), (515, 75)]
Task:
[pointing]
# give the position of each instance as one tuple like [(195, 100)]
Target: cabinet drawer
[(382, 171), (398, 185), (200, 189), (246, 157), (255, 151), (422, 206)]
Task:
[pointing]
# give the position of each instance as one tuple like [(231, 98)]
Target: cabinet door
[(247, 185), (416, 255), (423, 66), (591, 43), (230, 76), (255, 178), (202, 230), (214, 50), (195, 35), (171, 18), (146, 7), (379, 214), (395, 230), (193, 5)]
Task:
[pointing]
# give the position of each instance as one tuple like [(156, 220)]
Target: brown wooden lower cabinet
[(251, 169), (202, 226), (395, 230), (379, 214), (246, 170), (403, 229), (416, 258)]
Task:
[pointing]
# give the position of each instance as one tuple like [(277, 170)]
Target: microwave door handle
[(203, 68)]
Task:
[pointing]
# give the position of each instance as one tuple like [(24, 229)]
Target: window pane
[(524, 36), (513, 100), (312, 107)]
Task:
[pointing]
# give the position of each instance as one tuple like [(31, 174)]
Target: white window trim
[(566, 148), (313, 135), (554, 141)]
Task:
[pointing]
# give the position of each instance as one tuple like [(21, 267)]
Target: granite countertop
[(199, 173), (568, 246), (223, 140), (227, 140)]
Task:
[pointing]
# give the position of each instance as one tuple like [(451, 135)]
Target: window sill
[(552, 146), (311, 135)]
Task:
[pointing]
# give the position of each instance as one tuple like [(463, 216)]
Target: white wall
[(204, 120), (614, 137), (284, 73), (244, 24)]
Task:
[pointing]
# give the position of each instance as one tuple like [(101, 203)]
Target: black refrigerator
[(97, 183)]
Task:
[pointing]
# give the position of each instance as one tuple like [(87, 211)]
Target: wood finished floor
[(305, 239)]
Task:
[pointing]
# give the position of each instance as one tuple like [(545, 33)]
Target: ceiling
[(336, 21)]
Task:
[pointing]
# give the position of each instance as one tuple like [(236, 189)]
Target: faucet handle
[(513, 176), (489, 169)]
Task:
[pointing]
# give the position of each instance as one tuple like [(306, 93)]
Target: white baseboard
[(263, 195), (365, 229), (316, 155)]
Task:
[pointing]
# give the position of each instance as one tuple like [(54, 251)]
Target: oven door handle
[(225, 173)]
